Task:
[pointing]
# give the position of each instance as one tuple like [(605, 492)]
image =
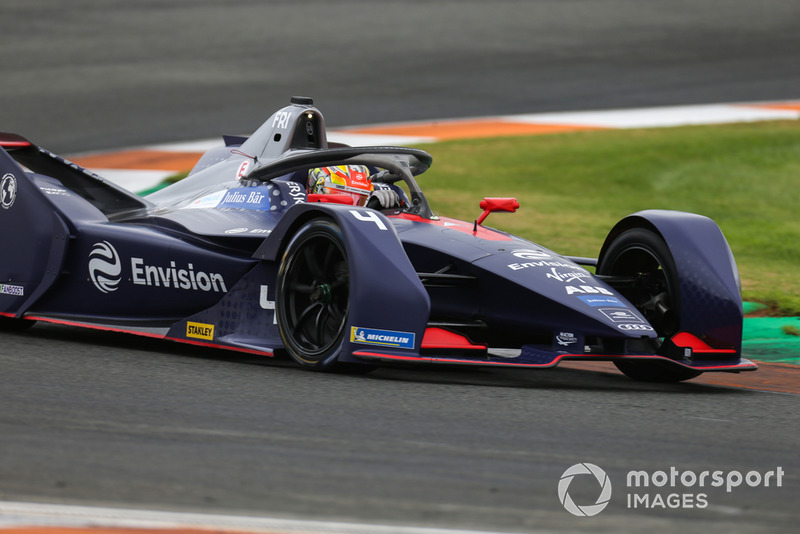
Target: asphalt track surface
[(85, 75), (99, 418)]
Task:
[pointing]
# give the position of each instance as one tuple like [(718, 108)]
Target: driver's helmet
[(351, 180)]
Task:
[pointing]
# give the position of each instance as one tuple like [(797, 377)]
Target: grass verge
[(574, 187)]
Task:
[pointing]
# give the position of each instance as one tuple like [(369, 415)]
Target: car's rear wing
[(33, 238), (106, 196), (11, 141)]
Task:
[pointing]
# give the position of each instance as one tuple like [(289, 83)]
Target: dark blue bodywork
[(199, 262)]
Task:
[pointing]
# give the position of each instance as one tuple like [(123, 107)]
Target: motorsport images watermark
[(684, 489)]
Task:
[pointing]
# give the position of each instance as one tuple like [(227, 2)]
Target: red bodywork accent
[(491, 204), (12, 140), (439, 338), (332, 198), (748, 366), (454, 224), (685, 339), (143, 334)]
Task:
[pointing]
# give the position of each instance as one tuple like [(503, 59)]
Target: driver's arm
[(384, 197)]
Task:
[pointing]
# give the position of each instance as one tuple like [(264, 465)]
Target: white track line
[(22, 514), (660, 117)]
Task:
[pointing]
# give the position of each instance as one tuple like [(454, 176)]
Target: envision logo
[(584, 469), (105, 269), (172, 276), (530, 254)]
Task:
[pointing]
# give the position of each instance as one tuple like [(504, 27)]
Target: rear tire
[(642, 252)]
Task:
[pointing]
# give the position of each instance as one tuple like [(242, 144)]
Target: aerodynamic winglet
[(11, 140)]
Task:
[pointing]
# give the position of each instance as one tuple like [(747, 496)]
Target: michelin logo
[(385, 338)]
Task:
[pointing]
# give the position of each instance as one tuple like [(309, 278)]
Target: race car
[(242, 255)]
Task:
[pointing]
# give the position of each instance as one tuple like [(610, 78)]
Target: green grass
[(573, 187), (790, 330)]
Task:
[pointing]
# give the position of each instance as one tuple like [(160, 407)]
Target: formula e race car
[(239, 255)]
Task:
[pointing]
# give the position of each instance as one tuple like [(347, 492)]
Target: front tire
[(643, 254), (313, 295)]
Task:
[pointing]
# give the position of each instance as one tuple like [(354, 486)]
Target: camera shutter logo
[(584, 469), (105, 269)]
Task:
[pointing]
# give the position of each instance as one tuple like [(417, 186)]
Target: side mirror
[(488, 205)]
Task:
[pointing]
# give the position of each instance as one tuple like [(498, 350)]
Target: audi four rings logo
[(628, 326), (584, 469), (105, 268)]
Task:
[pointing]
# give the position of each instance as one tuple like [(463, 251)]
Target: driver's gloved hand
[(383, 199)]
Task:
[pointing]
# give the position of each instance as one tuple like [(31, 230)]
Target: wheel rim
[(315, 296), (652, 293), (642, 264)]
